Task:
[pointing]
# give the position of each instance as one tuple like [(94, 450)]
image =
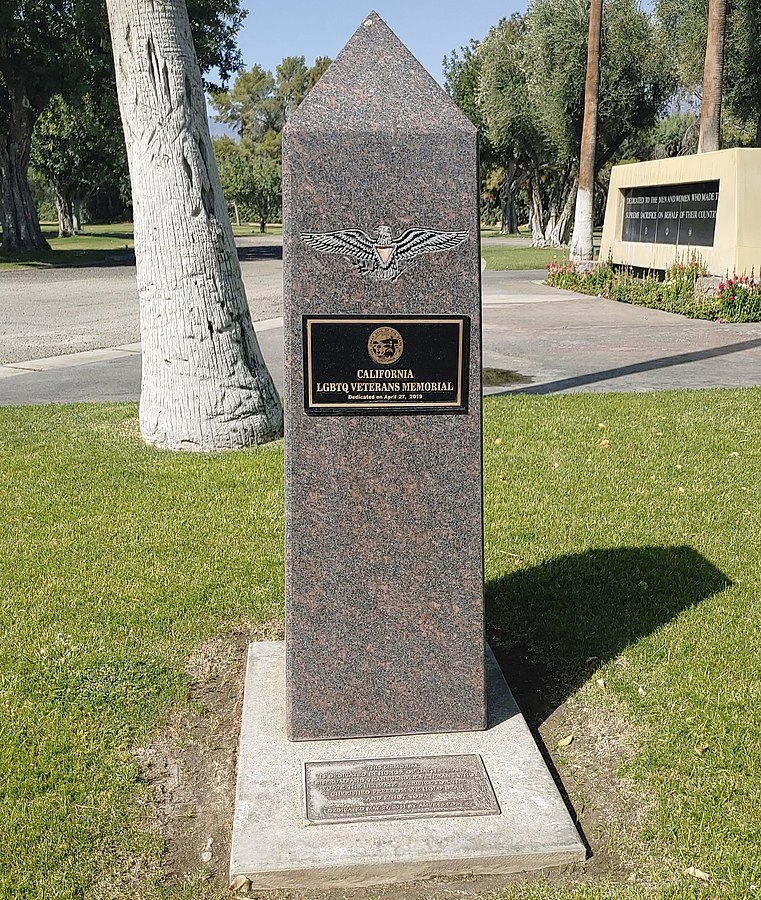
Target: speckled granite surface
[(384, 546)]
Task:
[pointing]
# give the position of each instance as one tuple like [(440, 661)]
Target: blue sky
[(429, 28)]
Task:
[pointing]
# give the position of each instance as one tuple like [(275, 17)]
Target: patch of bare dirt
[(191, 767)]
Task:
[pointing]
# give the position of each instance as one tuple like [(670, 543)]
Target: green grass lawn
[(95, 244), (621, 527), (502, 258), (524, 231), (252, 229), (105, 243), (493, 231)]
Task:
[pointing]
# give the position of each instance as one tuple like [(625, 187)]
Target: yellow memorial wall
[(705, 205)]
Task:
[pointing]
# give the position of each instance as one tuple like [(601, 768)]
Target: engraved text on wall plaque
[(681, 214)]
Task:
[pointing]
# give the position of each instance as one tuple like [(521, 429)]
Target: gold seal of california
[(385, 345)]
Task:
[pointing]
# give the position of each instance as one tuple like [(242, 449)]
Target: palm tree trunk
[(582, 247), (713, 74), (205, 385)]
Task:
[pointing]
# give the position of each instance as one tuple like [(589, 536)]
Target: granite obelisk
[(366, 758), (384, 546)]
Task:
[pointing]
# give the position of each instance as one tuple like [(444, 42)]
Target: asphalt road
[(72, 335), (49, 312)]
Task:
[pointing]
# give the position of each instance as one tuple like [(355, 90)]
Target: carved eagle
[(386, 257)]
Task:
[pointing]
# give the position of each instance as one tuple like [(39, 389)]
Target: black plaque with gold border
[(386, 365)]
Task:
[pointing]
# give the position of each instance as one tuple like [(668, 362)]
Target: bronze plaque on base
[(417, 787), (360, 365)]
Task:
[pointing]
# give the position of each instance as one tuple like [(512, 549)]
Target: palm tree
[(205, 385), (583, 224), (713, 73)]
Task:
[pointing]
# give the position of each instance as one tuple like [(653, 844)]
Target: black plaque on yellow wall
[(681, 214), (387, 365)]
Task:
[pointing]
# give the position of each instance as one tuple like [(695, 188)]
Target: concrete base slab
[(275, 847)]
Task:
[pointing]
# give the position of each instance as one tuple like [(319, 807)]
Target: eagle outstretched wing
[(354, 244), (415, 241)]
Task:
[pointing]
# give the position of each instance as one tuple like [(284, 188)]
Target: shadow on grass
[(550, 626), (71, 259), (265, 251), (119, 234)]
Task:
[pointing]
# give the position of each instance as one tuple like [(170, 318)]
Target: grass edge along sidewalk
[(95, 245), (620, 547), (114, 244)]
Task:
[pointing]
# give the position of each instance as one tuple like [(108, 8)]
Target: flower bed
[(738, 298)]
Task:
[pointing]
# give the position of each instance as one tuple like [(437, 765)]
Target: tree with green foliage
[(531, 89), (249, 106), (501, 176), (250, 180), (742, 65), (686, 22), (672, 135), (259, 104), (45, 46), (50, 47), (79, 149), (319, 68)]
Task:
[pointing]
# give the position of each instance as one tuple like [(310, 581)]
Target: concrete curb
[(85, 357), (69, 360)]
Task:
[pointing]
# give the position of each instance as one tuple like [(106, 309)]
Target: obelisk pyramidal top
[(384, 547), (376, 85)]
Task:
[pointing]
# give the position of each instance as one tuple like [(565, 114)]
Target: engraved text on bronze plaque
[(360, 365), (412, 787)]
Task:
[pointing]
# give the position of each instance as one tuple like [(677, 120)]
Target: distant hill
[(219, 129)]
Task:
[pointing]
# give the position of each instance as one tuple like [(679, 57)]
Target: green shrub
[(681, 290)]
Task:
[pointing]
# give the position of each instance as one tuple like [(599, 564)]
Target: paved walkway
[(561, 341), (572, 342)]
